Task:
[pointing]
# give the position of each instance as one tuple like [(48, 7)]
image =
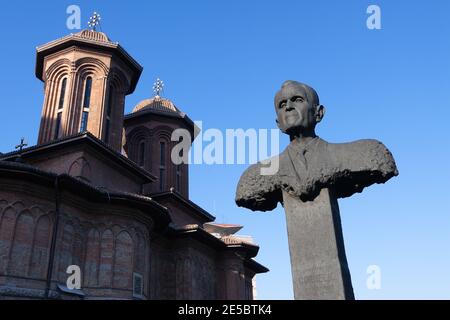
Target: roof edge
[(76, 138), (196, 231), (97, 194), (175, 194)]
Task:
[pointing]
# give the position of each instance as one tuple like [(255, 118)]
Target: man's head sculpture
[(309, 163), (312, 174), (298, 109)]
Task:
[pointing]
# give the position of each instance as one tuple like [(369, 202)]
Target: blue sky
[(222, 62)]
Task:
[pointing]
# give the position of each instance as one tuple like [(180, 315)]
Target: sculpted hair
[(311, 94)]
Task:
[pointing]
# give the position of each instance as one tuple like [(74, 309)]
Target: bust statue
[(309, 163), (312, 174)]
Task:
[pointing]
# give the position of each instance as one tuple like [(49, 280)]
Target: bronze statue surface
[(309, 163), (309, 177)]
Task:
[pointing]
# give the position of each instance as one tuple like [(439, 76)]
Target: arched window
[(162, 166), (141, 153), (178, 170), (108, 112), (179, 177), (62, 95), (58, 124), (87, 93), (86, 104)]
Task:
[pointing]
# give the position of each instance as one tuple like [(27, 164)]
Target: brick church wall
[(25, 224), (109, 243)]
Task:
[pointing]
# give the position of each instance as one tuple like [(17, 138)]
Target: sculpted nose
[(289, 105)]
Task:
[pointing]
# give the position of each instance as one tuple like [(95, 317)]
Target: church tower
[(148, 131), (87, 77)]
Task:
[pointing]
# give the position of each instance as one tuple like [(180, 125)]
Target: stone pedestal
[(316, 245)]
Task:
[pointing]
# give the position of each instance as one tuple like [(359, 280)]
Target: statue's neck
[(303, 139)]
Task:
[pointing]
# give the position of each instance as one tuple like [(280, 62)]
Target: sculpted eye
[(282, 104), (299, 99)]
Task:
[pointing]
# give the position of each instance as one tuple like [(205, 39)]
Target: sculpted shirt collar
[(297, 153), (294, 146)]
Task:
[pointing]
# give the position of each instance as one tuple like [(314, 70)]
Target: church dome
[(157, 104), (93, 35)]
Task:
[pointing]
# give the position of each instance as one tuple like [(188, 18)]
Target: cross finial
[(22, 144), (158, 87), (94, 21)]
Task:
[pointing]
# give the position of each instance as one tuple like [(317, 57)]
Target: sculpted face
[(297, 109)]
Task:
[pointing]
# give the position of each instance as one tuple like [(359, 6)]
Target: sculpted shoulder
[(310, 164), (367, 154), (258, 191), (359, 164)]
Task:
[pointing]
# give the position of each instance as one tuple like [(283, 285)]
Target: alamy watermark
[(373, 281), (74, 20), (74, 280), (374, 20), (234, 146)]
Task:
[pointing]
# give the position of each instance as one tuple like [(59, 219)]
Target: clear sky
[(222, 62)]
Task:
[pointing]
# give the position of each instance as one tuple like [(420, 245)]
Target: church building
[(99, 193)]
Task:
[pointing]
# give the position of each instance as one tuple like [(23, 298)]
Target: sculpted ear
[(278, 124), (320, 113)]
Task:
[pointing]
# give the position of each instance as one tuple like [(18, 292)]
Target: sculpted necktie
[(298, 161), (298, 157)]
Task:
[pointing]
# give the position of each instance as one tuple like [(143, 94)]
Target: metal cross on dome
[(158, 87), (22, 144), (94, 21)]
